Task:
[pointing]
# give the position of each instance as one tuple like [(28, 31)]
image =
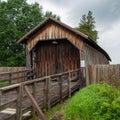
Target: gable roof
[(86, 39)]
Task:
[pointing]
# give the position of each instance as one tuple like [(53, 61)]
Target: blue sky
[(106, 15)]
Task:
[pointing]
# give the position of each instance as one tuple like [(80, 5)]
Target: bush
[(95, 102)]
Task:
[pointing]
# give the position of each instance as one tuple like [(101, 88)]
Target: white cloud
[(110, 41), (56, 9)]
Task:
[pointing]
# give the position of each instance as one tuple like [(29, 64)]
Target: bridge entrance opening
[(55, 56)]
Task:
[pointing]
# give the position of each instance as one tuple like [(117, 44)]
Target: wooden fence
[(104, 73), (11, 69), (12, 75), (47, 91)]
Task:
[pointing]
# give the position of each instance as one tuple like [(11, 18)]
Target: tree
[(17, 17), (50, 14), (87, 26)]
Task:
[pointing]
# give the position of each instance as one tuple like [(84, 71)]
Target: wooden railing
[(47, 91), (8, 78)]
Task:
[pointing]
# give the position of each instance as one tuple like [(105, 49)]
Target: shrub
[(95, 102)]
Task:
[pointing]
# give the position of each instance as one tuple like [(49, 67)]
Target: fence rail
[(12, 77), (47, 91)]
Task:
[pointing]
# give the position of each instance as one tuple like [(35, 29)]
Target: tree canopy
[(17, 17), (87, 26)]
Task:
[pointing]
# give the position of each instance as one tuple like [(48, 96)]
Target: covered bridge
[(54, 47)]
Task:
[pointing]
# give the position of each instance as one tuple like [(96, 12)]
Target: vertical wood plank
[(19, 103), (69, 84), (34, 93), (87, 75), (47, 93), (10, 75), (0, 99), (60, 85)]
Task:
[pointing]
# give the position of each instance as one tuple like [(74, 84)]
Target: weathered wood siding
[(104, 73), (56, 58), (93, 56), (51, 32), (54, 31)]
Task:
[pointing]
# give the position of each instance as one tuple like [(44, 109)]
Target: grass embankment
[(95, 102)]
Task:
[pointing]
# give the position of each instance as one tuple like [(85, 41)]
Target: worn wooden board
[(104, 73)]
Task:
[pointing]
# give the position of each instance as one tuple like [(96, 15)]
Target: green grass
[(55, 110), (4, 83), (51, 112), (95, 102)]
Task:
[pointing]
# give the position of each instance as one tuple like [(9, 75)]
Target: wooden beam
[(61, 88), (19, 103), (35, 104), (69, 85)]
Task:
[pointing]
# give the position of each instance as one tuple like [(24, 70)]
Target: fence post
[(79, 78), (69, 84), (60, 85), (0, 99), (34, 94), (24, 76), (19, 102), (10, 75), (47, 92)]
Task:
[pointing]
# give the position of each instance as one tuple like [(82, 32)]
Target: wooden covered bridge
[(57, 54), (54, 47)]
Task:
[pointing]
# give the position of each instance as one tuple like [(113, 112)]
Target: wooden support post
[(79, 77), (19, 103), (24, 76), (34, 94), (27, 75), (69, 84), (60, 85), (47, 92), (10, 75), (0, 99), (34, 89), (35, 104)]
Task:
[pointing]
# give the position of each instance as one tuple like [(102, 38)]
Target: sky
[(107, 17)]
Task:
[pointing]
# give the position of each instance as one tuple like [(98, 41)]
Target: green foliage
[(17, 17), (50, 14), (87, 26), (4, 83), (95, 102)]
